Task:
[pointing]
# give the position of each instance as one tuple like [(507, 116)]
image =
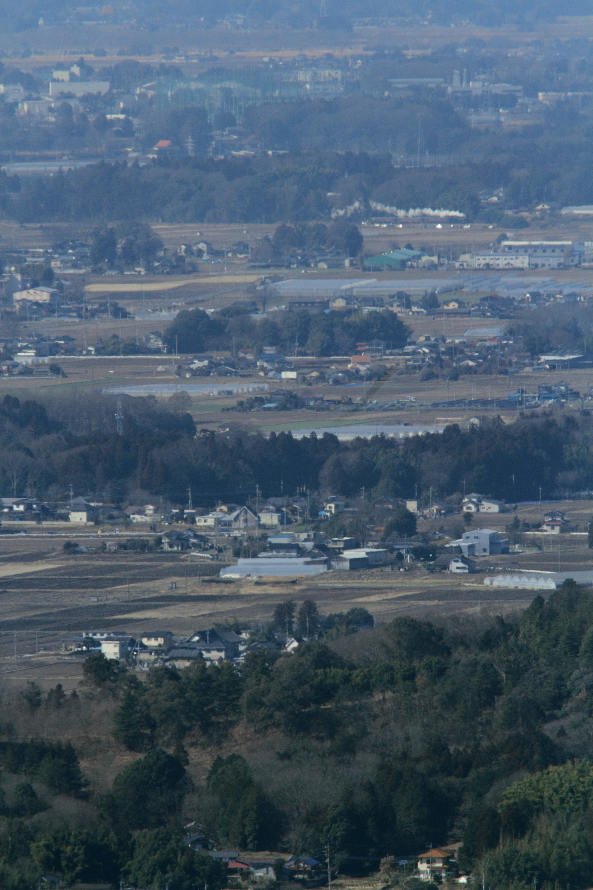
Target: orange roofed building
[(435, 863)]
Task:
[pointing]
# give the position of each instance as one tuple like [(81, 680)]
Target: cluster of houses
[(436, 864), (157, 647)]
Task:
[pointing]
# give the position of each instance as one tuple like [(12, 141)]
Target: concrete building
[(542, 254), (116, 648), (481, 542), (492, 260)]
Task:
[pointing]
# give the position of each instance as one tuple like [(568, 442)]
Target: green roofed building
[(397, 259)]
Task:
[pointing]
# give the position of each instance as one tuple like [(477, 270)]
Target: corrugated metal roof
[(285, 568)]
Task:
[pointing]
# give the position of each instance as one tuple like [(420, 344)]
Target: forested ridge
[(46, 447), (378, 743)]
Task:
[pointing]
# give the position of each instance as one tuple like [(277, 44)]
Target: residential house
[(360, 363), (341, 303), (116, 648), (302, 868), (187, 653), (201, 362), (44, 295), (181, 541), (156, 639), (477, 503), (237, 869), (224, 519), (435, 863), (333, 506), (199, 840), (555, 516), (270, 517), (552, 526), (455, 564), (81, 511), (147, 513), (25, 509), (481, 542), (260, 869), (436, 509), (214, 644)]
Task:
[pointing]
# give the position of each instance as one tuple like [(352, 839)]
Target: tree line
[(321, 334), (74, 440), (313, 183)]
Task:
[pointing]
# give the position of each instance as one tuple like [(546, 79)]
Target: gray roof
[(287, 568)]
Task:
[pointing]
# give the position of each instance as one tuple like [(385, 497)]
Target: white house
[(477, 503), (270, 517), (434, 863), (238, 519), (459, 565)]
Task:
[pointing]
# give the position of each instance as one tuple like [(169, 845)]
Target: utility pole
[(329, 871), (257, 505), (189, 501), (119, 419)]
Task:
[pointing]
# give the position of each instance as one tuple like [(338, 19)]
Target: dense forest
[(45, 447), (377, 743)]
